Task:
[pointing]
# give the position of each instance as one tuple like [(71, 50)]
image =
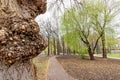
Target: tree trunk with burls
[(20, 40)]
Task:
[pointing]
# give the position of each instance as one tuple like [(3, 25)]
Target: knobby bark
[(20, 40)]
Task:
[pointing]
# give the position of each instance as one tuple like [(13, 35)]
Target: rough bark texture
[(18, 71), (20, 40)]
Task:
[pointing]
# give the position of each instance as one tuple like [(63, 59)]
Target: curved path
[(56, 71)]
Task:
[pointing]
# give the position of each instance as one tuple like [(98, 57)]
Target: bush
[(82, 52)]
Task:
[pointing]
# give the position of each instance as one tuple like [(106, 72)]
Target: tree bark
[(48, 46), (51, 46), (18, 71), (54, 44), (63, 44), (103, 46), (58, 47), (91, 54), (20, 40)]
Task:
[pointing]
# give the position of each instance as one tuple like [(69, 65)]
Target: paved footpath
[(56, 71)]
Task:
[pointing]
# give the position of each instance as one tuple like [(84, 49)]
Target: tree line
[(86, 27)]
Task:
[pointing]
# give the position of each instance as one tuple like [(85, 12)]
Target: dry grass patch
[(99, 69), (41, 63)]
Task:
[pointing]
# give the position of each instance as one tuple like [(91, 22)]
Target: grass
[(85, 69), (114, 55), (41, 63)]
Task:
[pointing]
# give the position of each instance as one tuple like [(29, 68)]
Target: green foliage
[(111, 42), (82, 52), (85, 23)]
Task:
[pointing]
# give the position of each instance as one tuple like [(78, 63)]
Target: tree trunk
[(48, 45), (74, 52), (103, 46), (98, 49), (51, 46), (68, 50), (63, 47), (20, 40), (58, 47), (54, 46), (91, 54), (18, 71)]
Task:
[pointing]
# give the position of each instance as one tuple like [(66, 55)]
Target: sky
[(53, 13), (50, 11)]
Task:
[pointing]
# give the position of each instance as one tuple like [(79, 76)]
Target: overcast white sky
[(52, 14), (50, 11)]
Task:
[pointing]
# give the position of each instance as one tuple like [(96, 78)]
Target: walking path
[(56, 71)]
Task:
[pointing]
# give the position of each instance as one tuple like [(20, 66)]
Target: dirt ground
[(99, 69)]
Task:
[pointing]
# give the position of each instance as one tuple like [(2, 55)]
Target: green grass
[(114, 55), (41, 63)]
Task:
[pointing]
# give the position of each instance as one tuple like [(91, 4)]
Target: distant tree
[(104, 18), (51, 35), (111, 42), (82, 21)]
